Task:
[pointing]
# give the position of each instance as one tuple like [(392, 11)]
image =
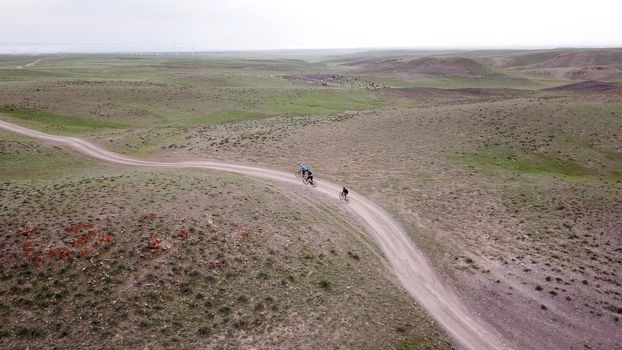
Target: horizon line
[(36, 49)]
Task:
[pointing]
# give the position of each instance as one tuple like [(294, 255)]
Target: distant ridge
[(586, 86)]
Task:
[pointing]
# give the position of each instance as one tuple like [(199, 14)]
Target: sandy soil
[(408, 262)]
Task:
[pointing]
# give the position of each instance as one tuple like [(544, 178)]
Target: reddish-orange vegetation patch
[(84, 252), (104, 238), (33, 251), (154, 243), (149, 217), (29, 229), (39, 260), (9, 258), (60, 253), (215, 264), (27, 246), (75, 228), (28, 251), (93, 235), (183, 233), (245, 233), (82, 239)]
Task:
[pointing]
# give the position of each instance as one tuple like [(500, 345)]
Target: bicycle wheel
[(313, 183), (346, 199), (305, 180), (298, 173), (341, 195)]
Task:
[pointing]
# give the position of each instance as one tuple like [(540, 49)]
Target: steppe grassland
[(95, 253), (514, 194)]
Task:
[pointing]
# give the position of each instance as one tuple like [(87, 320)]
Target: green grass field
[(104, 94)]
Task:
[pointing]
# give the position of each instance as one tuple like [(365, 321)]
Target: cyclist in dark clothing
[(344, 194)]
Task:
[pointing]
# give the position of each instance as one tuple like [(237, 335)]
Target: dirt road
[(408, 262), (29, 64)]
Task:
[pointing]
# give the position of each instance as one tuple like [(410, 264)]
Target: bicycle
[(308, 181), (344, 197), (300, 174)]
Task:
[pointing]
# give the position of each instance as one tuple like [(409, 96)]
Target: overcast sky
[(47, 25)]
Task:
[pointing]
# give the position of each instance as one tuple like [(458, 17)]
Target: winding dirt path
[(29, 64), (408, 262)]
